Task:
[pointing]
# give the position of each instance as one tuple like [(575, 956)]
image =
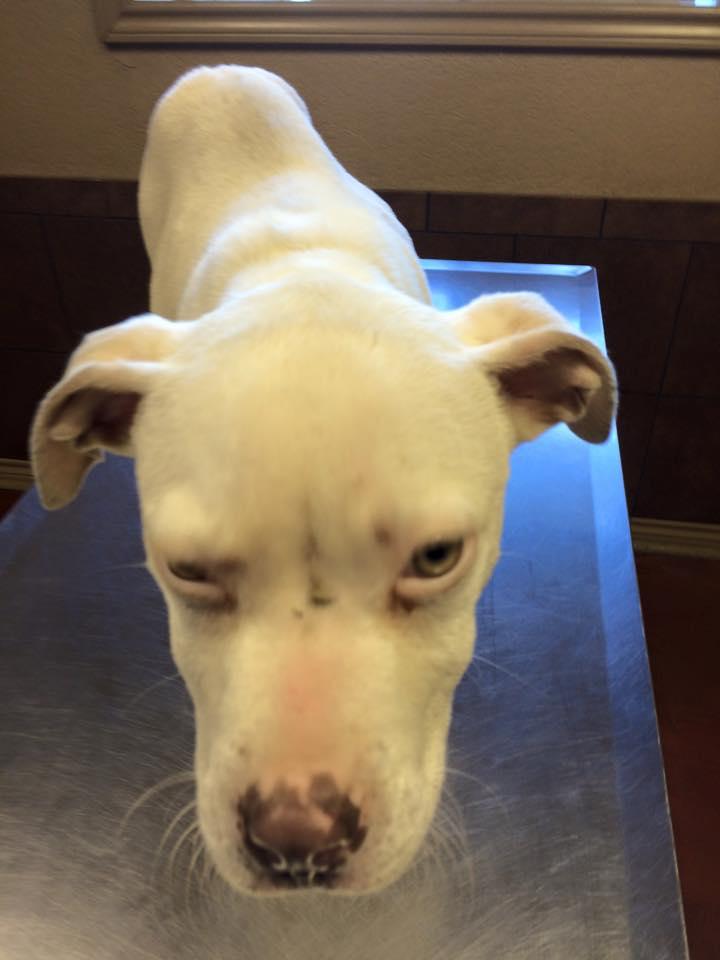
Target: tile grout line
[(676, 321), (55, 273), (603, 215), (663, 375)]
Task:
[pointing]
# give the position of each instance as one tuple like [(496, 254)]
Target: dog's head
[(321, 475)]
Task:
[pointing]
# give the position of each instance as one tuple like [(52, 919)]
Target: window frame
[(664, 25)]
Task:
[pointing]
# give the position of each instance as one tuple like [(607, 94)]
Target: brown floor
[(681, 605), (7, 499)]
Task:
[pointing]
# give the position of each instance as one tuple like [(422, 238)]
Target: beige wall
[(512, 123)]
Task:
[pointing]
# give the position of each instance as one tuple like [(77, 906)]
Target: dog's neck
[(285, 266)]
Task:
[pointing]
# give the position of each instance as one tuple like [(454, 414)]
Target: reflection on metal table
[(554, 758)]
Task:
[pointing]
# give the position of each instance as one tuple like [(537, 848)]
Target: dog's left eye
[(190, 572), (435, 559)]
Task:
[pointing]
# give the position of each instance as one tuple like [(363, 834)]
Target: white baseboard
[(675, 538), (15, 475), (649, 536)]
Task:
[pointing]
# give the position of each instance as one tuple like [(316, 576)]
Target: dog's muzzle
[(299, 838)]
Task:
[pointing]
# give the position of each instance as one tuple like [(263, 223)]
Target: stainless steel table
[(554, 751)]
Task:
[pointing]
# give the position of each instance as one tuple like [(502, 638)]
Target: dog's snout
[(300, 838)]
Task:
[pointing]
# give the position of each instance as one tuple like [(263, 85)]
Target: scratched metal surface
[(554, 755)]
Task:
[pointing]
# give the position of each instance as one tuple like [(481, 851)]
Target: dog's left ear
[(545, 371), (93, 406)]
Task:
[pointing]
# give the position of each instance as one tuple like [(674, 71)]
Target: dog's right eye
[(190, 572)]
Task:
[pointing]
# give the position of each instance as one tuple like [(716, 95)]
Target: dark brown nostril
[(299, 843)]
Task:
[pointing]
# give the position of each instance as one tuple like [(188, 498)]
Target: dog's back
[(235, 180)]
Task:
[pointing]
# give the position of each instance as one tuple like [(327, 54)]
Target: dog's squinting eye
[(435, 559), (201, 586), (190, 572)]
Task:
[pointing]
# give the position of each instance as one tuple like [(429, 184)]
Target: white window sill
[(511, 24)]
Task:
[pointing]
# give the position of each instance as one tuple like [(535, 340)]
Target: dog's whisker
[(451, 831), (453, 864), (451, 810), (486, 787), (153, 686), (183, 812), (185, 836), (477, 658), (204, 867), (197, 841), (140, 565), (566, 744), (437, 862), (447, 842), (173, 780), (444, 842), (209, 871), (457, 772)]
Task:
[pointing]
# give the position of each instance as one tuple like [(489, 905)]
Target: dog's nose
[(300, 839)]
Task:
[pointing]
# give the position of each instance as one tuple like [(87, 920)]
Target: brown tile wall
[(72, 260), (658, 266)]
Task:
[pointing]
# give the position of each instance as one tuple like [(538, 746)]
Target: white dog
[(321, 459)]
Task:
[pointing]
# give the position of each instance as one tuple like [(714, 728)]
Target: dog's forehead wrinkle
[(311, 545), (330, 532), (325, 331)]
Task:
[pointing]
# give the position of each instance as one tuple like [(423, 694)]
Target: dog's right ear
[(93, 406)]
